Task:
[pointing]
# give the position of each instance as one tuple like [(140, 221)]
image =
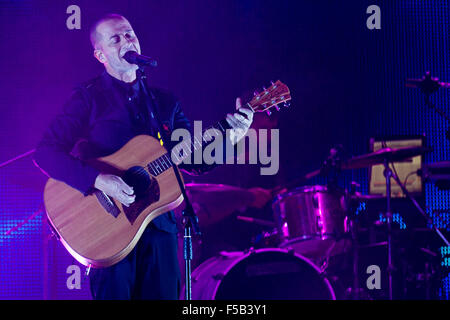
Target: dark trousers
[(149, 272)]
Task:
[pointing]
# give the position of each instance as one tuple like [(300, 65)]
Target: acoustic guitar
[(98, 230)]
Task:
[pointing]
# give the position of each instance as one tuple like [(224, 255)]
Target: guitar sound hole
[(137, 178), (146, 189)]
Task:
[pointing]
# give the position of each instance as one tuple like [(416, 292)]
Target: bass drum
[(264, 274)]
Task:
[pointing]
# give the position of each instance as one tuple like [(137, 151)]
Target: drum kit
[(312, 227)]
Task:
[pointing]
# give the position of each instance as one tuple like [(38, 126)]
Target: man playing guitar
[(100, 117)]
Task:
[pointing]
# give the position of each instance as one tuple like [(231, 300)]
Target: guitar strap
[(152, 107)]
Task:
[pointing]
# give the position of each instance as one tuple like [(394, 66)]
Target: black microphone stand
[(429, 85), (190, 219), (190, 222)]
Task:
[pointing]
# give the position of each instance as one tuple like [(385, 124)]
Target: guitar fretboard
[(185, 148), (158, 166)]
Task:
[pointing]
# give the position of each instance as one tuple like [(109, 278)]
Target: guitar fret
[(158, 166), (158, 169), (150, 167), (204, 136), (221, 128), (188, 147), (155, 172), (164, 158), (169, 160), (164, 164), (177, 152), (161, 162), (174, 154), (197, 141), (208, 134)]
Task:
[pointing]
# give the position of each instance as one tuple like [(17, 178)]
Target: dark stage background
[(347, 85)]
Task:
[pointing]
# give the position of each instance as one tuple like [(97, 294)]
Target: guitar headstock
[(278, 93)]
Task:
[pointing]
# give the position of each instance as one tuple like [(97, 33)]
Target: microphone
[(133, 57), (427, 83)]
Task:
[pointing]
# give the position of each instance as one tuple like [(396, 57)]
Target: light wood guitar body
[(100, 238)]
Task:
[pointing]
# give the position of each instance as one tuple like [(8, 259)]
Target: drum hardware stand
[(419, 208), (355, 253), (390, 269), (389, 174), (352, 226), (331, 167)]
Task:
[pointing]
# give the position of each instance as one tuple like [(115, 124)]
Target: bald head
[(95, 35), (112, 36)]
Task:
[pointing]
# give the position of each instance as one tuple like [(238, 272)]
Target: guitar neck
[(270, 98), (185, 148)]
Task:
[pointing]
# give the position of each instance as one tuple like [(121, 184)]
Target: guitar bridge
[(107, 203)]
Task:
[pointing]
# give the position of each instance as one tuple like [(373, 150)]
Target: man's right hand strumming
[(115, 187)]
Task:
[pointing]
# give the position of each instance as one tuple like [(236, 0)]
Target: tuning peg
[(255, 93), (277, 107), (287, 104), (269, 112)]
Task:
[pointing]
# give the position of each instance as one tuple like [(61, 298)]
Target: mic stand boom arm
[(429, 85)]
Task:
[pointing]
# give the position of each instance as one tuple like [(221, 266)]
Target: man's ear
[(99, 55)]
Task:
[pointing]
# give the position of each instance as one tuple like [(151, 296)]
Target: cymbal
[(379, 156), (363, 197), (214, 202)]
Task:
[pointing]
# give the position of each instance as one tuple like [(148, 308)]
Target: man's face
[(115, 38)]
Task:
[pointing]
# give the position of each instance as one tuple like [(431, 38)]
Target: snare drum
[(312, 221)]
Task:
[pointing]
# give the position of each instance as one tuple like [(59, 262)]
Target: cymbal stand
[(353, 227), (355, 252), (388, 174), (419, 208)]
